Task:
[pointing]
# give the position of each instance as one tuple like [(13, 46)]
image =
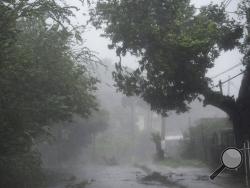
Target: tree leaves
[(43, 80), (176, 46)]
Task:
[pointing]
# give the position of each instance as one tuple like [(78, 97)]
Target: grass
[(181, 163)]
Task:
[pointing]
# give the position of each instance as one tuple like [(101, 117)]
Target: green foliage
[(176, 47), (22, 170), (43, 80)]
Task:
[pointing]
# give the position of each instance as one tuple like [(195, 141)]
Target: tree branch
[(225, 103)]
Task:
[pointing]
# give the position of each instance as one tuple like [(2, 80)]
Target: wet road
[(129, 176), (115, 177)]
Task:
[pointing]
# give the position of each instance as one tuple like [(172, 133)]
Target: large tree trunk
[(229, 106), (237, 124), (243, 104), (163, 127), (237, 110)]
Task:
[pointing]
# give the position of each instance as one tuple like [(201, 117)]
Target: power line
[(231, 68), (221, 83), (229, 12), (233, 77), (227, 3)]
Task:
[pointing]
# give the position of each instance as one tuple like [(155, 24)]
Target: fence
[(209, 147)]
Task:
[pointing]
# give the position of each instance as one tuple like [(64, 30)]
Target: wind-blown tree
[(176, 46), (44, 78)]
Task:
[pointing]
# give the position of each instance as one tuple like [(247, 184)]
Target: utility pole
[(148, 120), (163, 127), (189, 121), (220, 86), (228, 86), (132, 118)]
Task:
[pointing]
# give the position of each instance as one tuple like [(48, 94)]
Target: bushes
[(42, 80), (22, 170)]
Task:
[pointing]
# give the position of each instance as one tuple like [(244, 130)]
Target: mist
[(121, 134), (118, 94)]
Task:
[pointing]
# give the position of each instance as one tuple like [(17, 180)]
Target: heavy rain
[(124, 93)]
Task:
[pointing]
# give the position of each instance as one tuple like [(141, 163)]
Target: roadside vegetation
[(44, 79), (49, 108)]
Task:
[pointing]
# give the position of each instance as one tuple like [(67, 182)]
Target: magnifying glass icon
[(231, 159)]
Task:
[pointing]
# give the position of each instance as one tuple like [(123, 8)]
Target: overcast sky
[(99, 44)]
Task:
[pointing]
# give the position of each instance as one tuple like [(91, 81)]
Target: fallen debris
[(163, 179)]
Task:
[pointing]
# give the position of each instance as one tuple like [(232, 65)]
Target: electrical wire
[(229, 12), (233, 77), (227, 3), (229, 69), (224, 2), (221, 83)]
